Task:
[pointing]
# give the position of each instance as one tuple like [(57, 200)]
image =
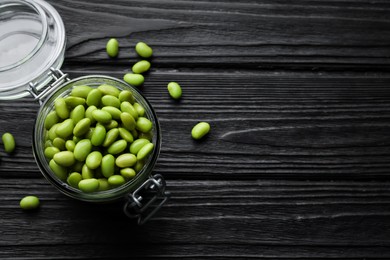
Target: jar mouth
[(98, 196), (23, 30)]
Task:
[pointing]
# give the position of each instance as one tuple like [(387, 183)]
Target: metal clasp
[(147, 199), (55, 75)]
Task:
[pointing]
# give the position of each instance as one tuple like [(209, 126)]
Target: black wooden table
[(297, 161)]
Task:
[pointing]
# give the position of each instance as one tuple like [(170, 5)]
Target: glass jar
[(42, 78)]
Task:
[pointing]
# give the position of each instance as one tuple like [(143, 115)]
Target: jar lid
[(32, 40)]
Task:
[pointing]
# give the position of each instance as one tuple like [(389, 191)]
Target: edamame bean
[(61, 108), (108, 165), (82, 127), (86, 172), (117, 147), (138, 166), (88, 113), (115, 112), (70, 145), (50, 152), (98, 135), (101, 116), (112, 47), (94, 160), (128, 121), (143, 50), (147, 135), (127, 107), (8, 142), (200, 130), (29, 202), (137, 145), (52, 132), (59, 143), (145, 151), (116, 180), (94, 97), (77, 167), (174, 90), (112, 124), (140, 109), (135, 80), (108, 100), (126, 95), (144, 125), (81, 91), (128, 173), (141, 67), (103, 184), (110, 137), (65, 129), (51, 119), (82, 149), (109, 90), (77, 113), (89, 185), (58, 170), (125, 160), (74, 101), (73, 179), (64, 158), (126, 135)]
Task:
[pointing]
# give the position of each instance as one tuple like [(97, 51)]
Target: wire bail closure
[(147, 199)]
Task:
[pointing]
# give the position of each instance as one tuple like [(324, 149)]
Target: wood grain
[(296, 165)]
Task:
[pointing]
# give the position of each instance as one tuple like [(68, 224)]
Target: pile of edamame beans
[(97, 138)]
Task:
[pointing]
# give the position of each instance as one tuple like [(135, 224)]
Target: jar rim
[(100, 196)]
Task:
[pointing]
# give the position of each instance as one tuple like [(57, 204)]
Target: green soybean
[(200, 130), (174, 90), (111, 136), (144, 125), (140, 109), (61, 108), (89, 133), (94, 97), (82, 149), (82, 127), (138, 166), (137, 145), (70, 145), (114, 111), (48, 143), (81, 91), (77, 166), (112, 124), (94, 160), (29, 202), (98, 135), (88, 113), (65, 129), (128, 173), (74, 101), (109, 90), (89, 185), (108, 100), (116, 180), (128, 107), (141, 67), (64, 158), (145, 151), (51, 119), (125, 160), (8, 142), (77, 113), (101, 116), (50, 152), (103, 184), (86, 172), (112, 47), (143, 50), (73, 179), (126, 95), (59, 143), (60, 171), (108, 165), (52, 132), (128, 121), (126, 135), (135, 80), (117, 147), (147, 135)]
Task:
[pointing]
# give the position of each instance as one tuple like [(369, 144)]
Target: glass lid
[(32, 40)]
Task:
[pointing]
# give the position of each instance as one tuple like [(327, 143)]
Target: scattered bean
[(29, 202), (112, 47), (174, 90), (141, 67), (8, 142), (200, 130), (143, 50)]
